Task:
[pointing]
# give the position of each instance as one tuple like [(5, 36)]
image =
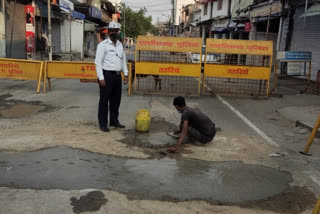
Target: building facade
[(24, 28), (2, 30), (177, 7)]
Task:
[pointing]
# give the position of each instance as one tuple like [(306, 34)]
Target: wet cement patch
[(294, 200), (19, 108), (178, 179), (156, 137), (91, 202)]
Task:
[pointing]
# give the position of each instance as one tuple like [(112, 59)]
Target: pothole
[(91, 202), (292, 201), (179, 179), (156, 137), (19, 108)]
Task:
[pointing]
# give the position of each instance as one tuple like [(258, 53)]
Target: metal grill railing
[(238, 59), (233, 86), (236, 85), (167, 57), (162, 84)]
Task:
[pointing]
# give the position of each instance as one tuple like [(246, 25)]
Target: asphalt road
[(69, 118)]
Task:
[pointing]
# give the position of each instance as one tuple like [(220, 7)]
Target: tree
[(136, 23)]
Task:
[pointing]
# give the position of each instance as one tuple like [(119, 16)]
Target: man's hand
[(172, 149), (125, 80), (102, 83)]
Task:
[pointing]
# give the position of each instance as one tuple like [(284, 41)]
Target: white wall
[(65, 36), (208, 16), (2, 33), (115, 2), (224, 11), (76, 36)]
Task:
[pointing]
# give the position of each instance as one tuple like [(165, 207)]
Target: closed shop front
[(15, 30), (56, 38), (305, 37)]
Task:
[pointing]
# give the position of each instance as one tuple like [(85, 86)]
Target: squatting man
[(194, 124)]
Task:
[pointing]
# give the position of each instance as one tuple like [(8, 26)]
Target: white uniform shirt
[(110, 57)]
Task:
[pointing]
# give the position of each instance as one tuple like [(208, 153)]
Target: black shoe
[(104, 129), (117, 125)]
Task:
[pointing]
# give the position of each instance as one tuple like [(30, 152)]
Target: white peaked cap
[(114, 25)]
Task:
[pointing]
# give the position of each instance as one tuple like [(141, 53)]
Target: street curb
[(300, 124)]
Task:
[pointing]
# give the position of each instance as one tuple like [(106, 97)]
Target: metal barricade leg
[(312, 136)]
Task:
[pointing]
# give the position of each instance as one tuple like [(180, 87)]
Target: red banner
[(30, 36)]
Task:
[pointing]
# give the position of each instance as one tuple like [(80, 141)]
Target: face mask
[(113, 36)]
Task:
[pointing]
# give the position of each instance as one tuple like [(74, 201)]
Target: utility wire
[(155, 5), (137, 7)]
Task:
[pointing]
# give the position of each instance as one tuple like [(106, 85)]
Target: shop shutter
[(18, 49), (305, 37)]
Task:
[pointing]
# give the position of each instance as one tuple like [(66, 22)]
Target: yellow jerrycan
[(143, 120)]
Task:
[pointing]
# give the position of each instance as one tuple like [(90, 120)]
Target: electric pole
[(49, 31)]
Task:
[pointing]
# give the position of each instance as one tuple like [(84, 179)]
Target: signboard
[(115, 17), (168, 69), (294, 56), (71, 70), (294, 68), (171, 44), (20, 69), (247, 26), (246, 47), (238, 72), (242, 69), (66, 5), (95, 12)]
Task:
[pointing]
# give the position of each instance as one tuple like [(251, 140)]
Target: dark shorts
[(194, 135)]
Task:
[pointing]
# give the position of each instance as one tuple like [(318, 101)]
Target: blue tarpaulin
[(77, 15), (95, 12), (74, 14)]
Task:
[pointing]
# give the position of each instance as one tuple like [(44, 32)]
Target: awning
[(314, 10), (232, 25), (265, 18), (41, 9), (194, 24), (95, 12), (220, 25), (66, 5), (92, 14), (76, 15)]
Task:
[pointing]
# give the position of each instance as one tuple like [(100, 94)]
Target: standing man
[(110, 62), (194, 124)]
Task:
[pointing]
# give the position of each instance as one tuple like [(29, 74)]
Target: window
[(205, 9), (220, 4)]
